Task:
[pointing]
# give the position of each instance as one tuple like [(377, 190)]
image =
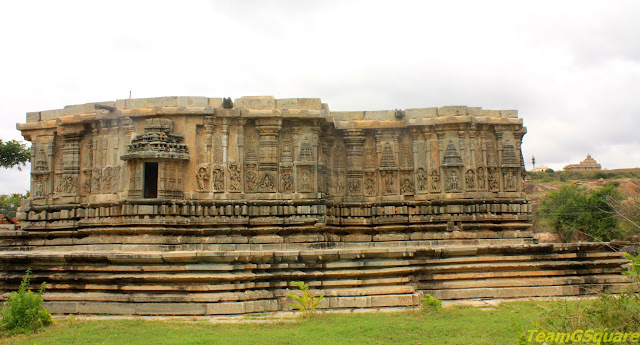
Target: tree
[(14, 153), (10, 203), (572, 209)]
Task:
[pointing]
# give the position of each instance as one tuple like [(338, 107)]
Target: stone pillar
[(354, 138), (268, 129)]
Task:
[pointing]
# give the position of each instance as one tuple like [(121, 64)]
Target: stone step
[(522, 282), (520, 292)]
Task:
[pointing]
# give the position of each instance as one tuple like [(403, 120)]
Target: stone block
[(256, 102), (106, 308), (33, 116), (347, 115), (452, 110), (288, 103), (474, 111), (215, 102), (380, 115), (491, 113), (310, 103), (60, 307), (132, 103), (145, 209), (421, 113), (163, 101), (509, 113), (193, 101), (226, 308), (170, 309), (181, 257), (50, 114)]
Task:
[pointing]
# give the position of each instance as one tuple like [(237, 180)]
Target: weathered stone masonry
[(186, 205)]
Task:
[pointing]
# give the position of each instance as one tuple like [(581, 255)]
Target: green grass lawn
[(451, 325)]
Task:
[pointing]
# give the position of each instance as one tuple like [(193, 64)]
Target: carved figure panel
[(389, 180), (235, 177), (67, 185), (510, 180), (434, 185), (305, 180), (422, 178), (452, 184), (251, 178), (217, 178), (492, 179), (39, 186), (203, 175), (286, 180), (267, 182), (107, 180), (470, 179), (96, 180), (406, 184), (355, 186), (480, 177), (370, 184)]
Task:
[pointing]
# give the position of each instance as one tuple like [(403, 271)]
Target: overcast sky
[(571, 68)]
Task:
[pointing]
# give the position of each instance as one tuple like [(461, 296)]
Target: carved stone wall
[(223, 202)]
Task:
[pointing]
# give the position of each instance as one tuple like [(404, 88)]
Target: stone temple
[(203, 206)]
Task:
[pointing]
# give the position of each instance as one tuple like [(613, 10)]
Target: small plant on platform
[(430, 302), (306, 303), (23, 311)]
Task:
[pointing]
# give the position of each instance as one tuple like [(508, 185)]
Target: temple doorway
[(150, 180)]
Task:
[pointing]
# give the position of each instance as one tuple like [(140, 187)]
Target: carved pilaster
[(268, 130), (354, 138)]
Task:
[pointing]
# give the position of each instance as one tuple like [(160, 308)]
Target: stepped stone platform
[(208, 206)]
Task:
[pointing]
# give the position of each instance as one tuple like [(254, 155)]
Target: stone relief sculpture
[(470, 179), (510, 180), (481, 178), (304, 178), (286, 181), (202, 177), (435, 181), (422, 178), (389, 181), (453, 181), (492, 179), (407, 184), (267, 183), (218, 178), (235, 177), (38, 187), (251, 176), (369, 184)]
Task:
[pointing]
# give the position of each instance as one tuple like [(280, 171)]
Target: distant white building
[(588, 164), (540, 168)]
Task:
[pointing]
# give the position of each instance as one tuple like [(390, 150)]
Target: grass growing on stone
[(451, 325)]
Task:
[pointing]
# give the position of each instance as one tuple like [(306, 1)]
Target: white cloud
[(571, 68)]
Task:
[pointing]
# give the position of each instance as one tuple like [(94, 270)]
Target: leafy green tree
[(14, 154), (10, 203), (573, 209)]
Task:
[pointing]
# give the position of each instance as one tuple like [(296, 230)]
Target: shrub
[(430, 302), (23, 311), (572, 209), (306, 303), (607, 313)]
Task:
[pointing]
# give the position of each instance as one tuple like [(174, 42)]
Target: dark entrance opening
[(150, 179)]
